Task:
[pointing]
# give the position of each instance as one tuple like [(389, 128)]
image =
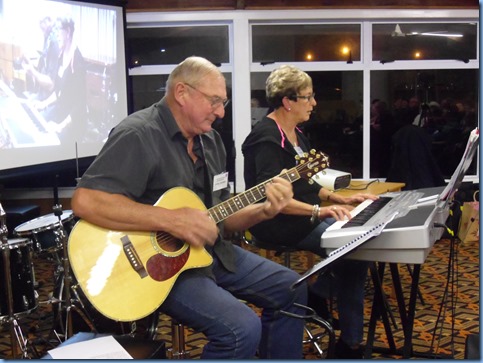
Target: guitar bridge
[(133, 257)]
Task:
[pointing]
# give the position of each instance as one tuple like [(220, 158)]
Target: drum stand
[(15, 330), (65, 301)]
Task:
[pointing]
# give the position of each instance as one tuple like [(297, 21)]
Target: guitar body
[(127, 275)]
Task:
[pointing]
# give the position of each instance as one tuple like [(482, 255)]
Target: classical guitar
[(126, 275)]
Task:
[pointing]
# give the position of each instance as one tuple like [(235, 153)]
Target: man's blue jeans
[(347, 282), (233, 329)]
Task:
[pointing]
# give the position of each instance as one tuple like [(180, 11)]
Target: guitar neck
[(223, 210)]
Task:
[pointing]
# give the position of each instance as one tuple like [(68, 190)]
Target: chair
[(313, 322), (279, 250)]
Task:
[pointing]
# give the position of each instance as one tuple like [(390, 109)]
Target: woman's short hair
[(285, 81)]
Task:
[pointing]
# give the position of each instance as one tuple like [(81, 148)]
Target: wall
[(175, 5)]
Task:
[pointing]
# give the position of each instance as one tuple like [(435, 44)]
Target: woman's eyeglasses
[(307, 98)]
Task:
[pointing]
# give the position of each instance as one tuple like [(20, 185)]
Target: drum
[(143, 328), (44, 231), (21, 272)]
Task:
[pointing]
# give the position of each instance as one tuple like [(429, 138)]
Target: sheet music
[(99, 348), (367, 233), (462, 167)]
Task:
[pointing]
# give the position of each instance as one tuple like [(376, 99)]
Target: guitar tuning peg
[(312, 151), (316, 169), (297, 157), (310, 181)]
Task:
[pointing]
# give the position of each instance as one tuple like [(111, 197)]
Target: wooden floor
[(446, 313)]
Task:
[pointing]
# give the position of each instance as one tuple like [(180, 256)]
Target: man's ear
[(180, 93)]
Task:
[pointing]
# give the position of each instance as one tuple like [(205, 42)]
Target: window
[(443, 102), (170, 45), (424, 41), (306, 43)]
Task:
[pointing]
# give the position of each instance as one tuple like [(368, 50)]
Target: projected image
[(62, 74)]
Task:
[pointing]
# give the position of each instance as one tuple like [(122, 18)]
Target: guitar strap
[(200, 152)]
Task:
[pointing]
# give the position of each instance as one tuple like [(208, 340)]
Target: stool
[(178, 346), (310, 318), (315, 339)]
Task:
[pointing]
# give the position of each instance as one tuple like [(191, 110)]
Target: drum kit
[(48, 235)]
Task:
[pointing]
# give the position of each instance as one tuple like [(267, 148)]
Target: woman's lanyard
[(297, 148)]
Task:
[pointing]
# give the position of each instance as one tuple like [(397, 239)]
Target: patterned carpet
[(450, 311)]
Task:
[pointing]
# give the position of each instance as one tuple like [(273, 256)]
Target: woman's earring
[(289, 109)]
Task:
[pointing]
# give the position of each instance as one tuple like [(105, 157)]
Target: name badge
[(299, 150), (220, 181)]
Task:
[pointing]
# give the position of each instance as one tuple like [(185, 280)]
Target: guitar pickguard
[(162, 268)]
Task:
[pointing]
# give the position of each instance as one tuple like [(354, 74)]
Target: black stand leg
[(379, 309)]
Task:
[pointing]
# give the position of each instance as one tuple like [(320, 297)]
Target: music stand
[(366, 233), (447, 196)]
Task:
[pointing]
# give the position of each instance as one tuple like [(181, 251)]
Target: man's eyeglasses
[(214, 101), (307, 98)]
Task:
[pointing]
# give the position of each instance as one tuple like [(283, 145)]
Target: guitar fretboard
[(250, 196)]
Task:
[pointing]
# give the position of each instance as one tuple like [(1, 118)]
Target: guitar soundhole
[(168, 243)]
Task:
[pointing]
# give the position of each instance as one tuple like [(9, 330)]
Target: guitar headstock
[(311, 163)]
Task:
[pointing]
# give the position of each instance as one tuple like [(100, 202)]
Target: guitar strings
[(286, 175)]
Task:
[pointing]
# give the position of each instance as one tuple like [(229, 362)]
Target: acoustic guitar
[(126, 275)]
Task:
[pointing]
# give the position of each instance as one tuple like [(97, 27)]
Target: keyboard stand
[(379, 309), (407, 312)]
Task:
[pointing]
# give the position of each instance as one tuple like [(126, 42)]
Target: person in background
[(172, 144), (382, 128), (65, 109), (43, 74), (272, 145)]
